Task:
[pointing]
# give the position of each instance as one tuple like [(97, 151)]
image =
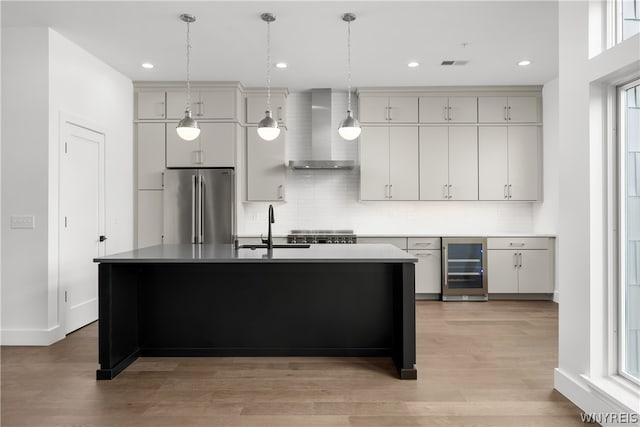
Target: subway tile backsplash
[(328, 199)]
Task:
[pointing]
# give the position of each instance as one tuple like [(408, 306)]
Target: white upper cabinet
[(151, 105), (448, 163), (150, 154), (266, 169), (256, 105), (215, 104), (388, 109), (215, 147), (508, 109), (389, 163), (443, 109), (508, 163)]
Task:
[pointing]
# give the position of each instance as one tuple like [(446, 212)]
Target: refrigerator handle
[(200, 212), (193, 209)]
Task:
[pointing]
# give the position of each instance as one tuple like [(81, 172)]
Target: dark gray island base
[(213, 300)]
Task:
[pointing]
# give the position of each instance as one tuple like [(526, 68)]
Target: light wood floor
[(479, 364)]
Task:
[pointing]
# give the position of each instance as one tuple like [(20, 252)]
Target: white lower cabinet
[(514, 269), (149, 218), (428, 276)]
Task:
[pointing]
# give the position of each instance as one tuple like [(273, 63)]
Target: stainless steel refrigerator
[(199, 206)]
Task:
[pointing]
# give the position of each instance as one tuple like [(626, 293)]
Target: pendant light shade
[(268, 128), (188, 128), (350, 127)]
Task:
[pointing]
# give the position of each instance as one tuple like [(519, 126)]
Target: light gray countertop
[(418, 235), (209, 253)]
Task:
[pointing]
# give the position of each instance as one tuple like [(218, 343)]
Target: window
[(629, 12), (629, 238)]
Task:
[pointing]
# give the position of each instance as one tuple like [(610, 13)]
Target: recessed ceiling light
[(413, 64), (524, 63), (147, 65), (281, 65)]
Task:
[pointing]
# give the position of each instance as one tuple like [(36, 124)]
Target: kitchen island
[(216, 300)]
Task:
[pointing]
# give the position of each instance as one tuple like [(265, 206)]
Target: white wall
[(328, 199), (43, 77), (582, 241), (25, 142)]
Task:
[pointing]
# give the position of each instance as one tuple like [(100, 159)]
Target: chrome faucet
[(271, 220)]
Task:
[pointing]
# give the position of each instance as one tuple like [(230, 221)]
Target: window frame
[(620, 232)]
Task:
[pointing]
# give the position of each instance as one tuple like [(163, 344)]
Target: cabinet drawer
[(399, 242), (518, 243), (419, 243)]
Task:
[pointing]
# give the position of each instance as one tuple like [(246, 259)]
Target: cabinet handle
[(506, 195), (509, 190), (200, 112), (505, 114), (162, 179), (444, 113), (390, 191), (161, 110), (520, 262), (279, 114), (390, 117), (509, 112), (424, 255), (515, 260), (280, 191), (449, 113), (423, 243), (518, 245), (449, 192), (445, 193)]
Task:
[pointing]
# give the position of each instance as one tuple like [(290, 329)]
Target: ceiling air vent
[(452, 62)]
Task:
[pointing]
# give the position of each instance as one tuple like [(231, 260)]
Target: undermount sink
[(284, 246)]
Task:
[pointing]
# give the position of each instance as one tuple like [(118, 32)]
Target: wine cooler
[(464, 274)]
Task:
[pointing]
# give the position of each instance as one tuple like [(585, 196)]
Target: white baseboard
[(31, 336), (588, 399)]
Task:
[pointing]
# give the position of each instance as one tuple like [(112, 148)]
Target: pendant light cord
[(349, 65), (268, 65), (188, 67)]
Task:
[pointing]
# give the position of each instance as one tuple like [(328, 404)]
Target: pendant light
[(268, 127), (350, 127), (188, 128)]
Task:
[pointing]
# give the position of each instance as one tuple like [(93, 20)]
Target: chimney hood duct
[(321, 131)]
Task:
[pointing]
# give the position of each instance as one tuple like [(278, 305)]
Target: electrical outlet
[(23, 221)]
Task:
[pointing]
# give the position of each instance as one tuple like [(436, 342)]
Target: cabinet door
[(463, 109), (463, 163), (434, 160), (524, 169), (218, 144), (433, 109), (181, 153), (492, 109), (373, 109), (534, 272), (149, 218), (523, 109), (374, 163), (502, 272), (150, 155), (492, 163), (403, 109), (428, 277), (151, 105), (403, 163), (177, 103), (256, 105), (266, 172), (216, 104)]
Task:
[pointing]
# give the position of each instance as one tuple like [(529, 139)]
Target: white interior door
[(82, 222)]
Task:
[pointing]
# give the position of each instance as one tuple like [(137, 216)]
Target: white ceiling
[(229, 40)]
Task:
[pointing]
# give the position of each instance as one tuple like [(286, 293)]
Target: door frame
[(64, 119)]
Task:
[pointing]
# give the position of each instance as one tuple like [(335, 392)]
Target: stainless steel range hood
[(321, 131)]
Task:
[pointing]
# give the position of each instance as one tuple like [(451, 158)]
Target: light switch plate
[(23, 221)]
